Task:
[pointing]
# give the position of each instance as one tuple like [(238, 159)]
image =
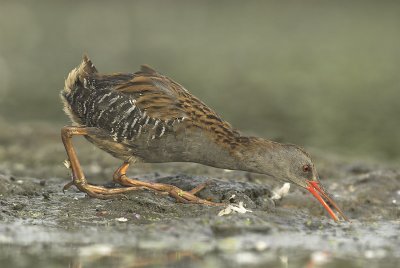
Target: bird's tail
[(79, 74)]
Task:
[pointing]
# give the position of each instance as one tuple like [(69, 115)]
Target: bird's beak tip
[(321, 195)]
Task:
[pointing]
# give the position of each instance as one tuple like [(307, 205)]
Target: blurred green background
[(323, 74)]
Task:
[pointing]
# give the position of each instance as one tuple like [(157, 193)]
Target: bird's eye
[(306, 168)]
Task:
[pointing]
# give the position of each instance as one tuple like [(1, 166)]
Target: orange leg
[(180, 195), (78, 178)]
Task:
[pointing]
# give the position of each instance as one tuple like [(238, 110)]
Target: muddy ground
[(40, 226)]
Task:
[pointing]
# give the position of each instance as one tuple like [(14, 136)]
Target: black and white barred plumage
[(142, 115), (114, 112)]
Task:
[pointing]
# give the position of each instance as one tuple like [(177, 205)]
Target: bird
[(148, 117)]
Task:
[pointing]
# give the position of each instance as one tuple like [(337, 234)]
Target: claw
[(67, 186)]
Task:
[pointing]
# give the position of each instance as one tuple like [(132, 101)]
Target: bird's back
[(145, 115)]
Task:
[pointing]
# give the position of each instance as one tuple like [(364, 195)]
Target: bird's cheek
[(299, 180), (295, 181), (315, 176)]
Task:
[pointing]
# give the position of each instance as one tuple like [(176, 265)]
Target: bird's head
[(291, 163)]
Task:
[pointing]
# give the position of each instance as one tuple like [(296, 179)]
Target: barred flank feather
[(132, 112), (90, 103)]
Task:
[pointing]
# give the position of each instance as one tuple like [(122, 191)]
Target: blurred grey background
[(322, 74)]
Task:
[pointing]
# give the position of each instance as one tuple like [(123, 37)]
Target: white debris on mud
[(238, 208), (281, 192)]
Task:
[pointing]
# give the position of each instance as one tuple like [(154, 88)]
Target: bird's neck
[(250, 154), (257, 155)]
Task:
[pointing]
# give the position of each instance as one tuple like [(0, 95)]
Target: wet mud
[(40, 226)]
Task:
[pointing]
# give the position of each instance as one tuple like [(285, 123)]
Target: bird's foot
[(99, 191), (173, 191)]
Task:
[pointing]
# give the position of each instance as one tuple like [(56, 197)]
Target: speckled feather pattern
[(142, 108)]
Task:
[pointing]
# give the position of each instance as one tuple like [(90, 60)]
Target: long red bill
[(317, 191)]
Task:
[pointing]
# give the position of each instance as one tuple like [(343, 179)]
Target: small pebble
[(18, 206), (102, 213), (6, 239), (246, 258), (122, 219), (320, 257), (96, 250), (46, 195), (372, 254), (42, 183), (261, 246), (284, 260)]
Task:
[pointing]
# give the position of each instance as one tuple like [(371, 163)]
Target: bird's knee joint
[(80, 181), (66, 132), (117, 176)]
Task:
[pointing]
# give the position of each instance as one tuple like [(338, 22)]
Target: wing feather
[(161, 98), (154, 94)]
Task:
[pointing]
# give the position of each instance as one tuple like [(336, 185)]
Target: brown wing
[(153, 93), (164, 99)]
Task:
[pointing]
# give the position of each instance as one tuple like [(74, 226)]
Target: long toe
[(67, 186), (102, 192), (178, 194), (198, 188)]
